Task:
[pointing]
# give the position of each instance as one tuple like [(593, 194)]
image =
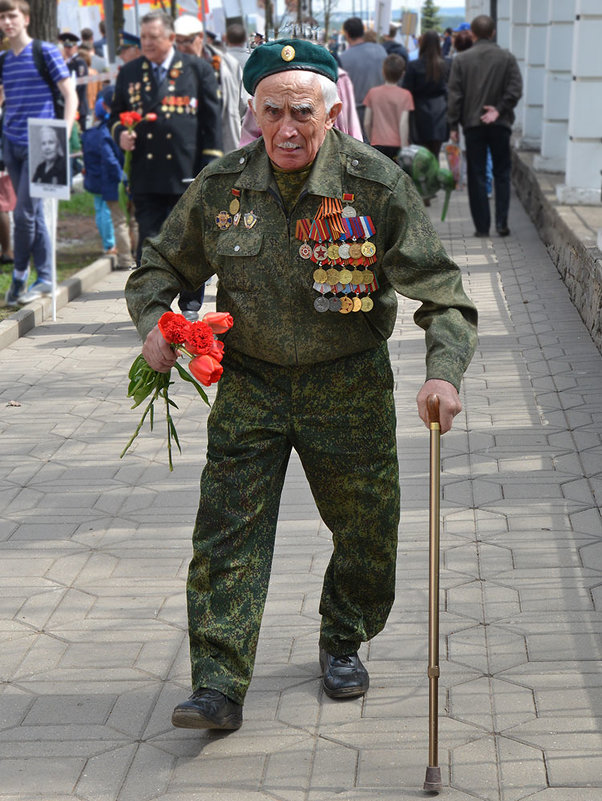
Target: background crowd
[(185, 85)]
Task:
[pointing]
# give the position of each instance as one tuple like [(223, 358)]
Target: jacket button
[(241, 160), (354, 163), (236, 248), (149, 136), (168, 156), (149, 155)]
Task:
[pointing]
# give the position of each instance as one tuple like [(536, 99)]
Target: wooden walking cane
[(432, 782)]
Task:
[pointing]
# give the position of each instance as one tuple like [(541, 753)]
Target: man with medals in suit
[(167, 151)]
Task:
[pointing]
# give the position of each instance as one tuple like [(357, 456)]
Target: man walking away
[(484, 87)]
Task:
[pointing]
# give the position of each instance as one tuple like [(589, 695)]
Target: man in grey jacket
[(484, 86)]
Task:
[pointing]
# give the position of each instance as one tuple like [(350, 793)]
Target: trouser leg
[(122, 234), (476, 160), (233, 540), (499, 142), (344, 419), (104, 223)]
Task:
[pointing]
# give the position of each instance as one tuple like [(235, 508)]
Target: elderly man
[(310, 233), (228, 72)]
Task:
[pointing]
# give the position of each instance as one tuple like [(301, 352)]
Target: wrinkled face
[(193, 44), (156, 40), (291, 114), (12, 23), (48, 144)]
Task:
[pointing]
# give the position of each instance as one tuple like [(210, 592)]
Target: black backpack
[(41, 66)]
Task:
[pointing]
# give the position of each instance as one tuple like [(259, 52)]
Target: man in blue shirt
[(26, 94)]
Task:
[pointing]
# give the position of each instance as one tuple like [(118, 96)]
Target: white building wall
[(534, 72), (584, 149)]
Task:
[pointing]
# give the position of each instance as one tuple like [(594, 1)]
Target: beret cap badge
[(287, 53)]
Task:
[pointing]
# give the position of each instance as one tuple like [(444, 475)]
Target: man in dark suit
[(79, 69), (170, 150)]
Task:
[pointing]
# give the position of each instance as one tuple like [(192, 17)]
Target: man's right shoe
[(343, 676), (208, 709), (505, 231), (481, 234)]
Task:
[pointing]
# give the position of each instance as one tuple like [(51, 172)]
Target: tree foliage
[(429, 16)]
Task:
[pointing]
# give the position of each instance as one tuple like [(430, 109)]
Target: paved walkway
[(93, 649)]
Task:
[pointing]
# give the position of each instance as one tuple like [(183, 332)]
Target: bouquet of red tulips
[(195, 340)]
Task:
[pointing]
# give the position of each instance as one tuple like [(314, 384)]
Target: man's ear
[(333, 114)]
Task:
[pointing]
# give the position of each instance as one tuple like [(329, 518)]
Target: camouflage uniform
[(294, 377)]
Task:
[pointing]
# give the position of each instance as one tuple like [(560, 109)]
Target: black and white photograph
[(49, 159)]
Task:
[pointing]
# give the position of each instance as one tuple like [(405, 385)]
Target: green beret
[(287, 54)]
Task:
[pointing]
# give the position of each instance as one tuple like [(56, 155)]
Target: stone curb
[(26, 318)]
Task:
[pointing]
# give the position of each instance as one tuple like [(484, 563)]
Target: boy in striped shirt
[(26, 94)]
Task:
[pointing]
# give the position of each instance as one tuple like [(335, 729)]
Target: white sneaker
[(35, 291)]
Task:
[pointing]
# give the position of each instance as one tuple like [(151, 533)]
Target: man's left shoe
[(503, 231), (208, 709), (343, 676), (35, 291)]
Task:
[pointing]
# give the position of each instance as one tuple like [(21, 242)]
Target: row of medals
[(345, 282)]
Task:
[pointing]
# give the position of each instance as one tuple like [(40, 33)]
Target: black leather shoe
[(208, 709), (344, 676), (504, 231), (481, 234)]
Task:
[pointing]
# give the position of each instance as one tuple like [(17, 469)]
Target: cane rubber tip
[(432, 782)]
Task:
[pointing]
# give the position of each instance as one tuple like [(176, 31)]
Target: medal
[(305, 251), (355, 250), (357, 304), (250, 219), (320, 252), (367, 304), (333, 251), (223, 220), (332, 276), (334, 304), (321, 304), (346, 305), (234, 205), (348, 211), (344, 251), (368, 249), (236, 218), (368, 277), (357, 277), (345, 277), (320, 276)]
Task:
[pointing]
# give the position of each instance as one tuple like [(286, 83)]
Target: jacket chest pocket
[(239, 257)]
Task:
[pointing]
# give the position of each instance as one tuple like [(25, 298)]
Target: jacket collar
[(324, 180)]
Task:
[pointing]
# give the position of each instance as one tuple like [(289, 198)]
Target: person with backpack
[(34, 82)]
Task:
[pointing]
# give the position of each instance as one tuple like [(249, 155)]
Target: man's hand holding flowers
[(172, 337)]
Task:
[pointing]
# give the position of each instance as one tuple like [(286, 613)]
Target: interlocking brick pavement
[(93, 646)]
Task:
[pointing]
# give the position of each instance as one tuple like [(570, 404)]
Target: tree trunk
[(42, 23)]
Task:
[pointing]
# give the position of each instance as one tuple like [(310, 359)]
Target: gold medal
[(345, 277), (367, 304), (305, 251), (333, 251), (357, 304), (368, 277), (332, 276), (346, 305), (357, 277), (368, 249), (234, 205), (320, 276), (344, 251), (355, 250)]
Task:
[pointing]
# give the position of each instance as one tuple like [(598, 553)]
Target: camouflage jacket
[(269, 288)]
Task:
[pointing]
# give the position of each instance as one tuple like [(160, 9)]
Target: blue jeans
[(31, 236), (496, 138), (104, 223)]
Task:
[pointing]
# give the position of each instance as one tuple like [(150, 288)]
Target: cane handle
[(432, 407)]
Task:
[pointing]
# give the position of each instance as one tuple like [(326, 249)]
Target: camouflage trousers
[(340, 418)]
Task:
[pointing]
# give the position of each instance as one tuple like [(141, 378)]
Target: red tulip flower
[(219, 322), (206, 369)]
